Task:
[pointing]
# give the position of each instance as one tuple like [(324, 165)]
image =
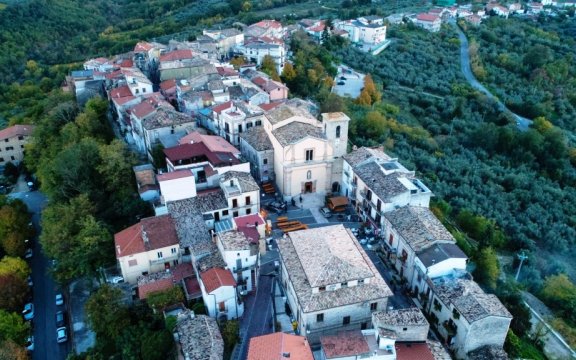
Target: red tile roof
[(182, 271), (260, 81), (199, 152), (344, 344), (266, 24), (168, 84), (273, 346), (427, 17), (219, 108), (247, 225), (192, 286), (142, 47), (123, 100), (126, 63), (120, 92), (16, 130), (225, 71), (177, 55), (212, 142), (143, 109), (268, 107), (178, 174), (413, 351), (158, 231), (154, 286), (215, 278)]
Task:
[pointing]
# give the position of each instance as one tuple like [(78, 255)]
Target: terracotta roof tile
[(273, 346), (151, 233), (16, 130), (427, 17), (120, 92), (215, 278), (413, 351), (344, 344)]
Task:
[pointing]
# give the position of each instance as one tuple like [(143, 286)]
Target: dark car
[(341, 83), (60, 319), (277, 207), (342, 77)]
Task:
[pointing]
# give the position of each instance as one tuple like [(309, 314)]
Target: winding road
[(522, 122)]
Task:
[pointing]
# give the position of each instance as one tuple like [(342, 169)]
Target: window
[(404, 329), (5, 140), (309, 155), (235, 214), (368, 194), (265, 161), (247, 200), (224, 212), (133, 262), (21, 146), (1, 159), (173, 250), (234, 203), (391, 239), (344, 284), (379, 205), (9, 148), (12, 157), (248, 126), (322, 288), (437, 305), (258, 122), (239, 128), (20, 137), (374, 306), (309, 175), (143, 90), (319, 317), (361, 281), (346, 320), (338, 131), (248, 211), (159, 254), (137, 91)]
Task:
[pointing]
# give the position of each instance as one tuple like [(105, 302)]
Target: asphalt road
[(522, 122), (44, 290)]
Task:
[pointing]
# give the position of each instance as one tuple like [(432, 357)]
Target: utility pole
[(522, 257)]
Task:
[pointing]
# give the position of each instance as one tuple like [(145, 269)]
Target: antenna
[(522, 257)]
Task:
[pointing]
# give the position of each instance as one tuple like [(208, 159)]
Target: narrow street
[(44, 289)]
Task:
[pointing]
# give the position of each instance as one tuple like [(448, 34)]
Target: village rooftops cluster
[(419, 227), (343, 261), (150, 233)]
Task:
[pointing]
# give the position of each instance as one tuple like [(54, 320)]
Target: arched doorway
[(335, 187)]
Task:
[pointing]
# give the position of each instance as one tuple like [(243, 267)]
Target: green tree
[(288, 73), (11, 171), (375, 124), (156, 345), (370, 88), (560, 292), (9, 350), (230, 330), (13, 327), (158, 156), (15, 266), (269, 67), (159, 300), (364, 98), (238, 61), (14, 292), (106, 313), (487, 268), (333, 103)]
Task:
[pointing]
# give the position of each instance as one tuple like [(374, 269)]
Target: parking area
[(348, 82)]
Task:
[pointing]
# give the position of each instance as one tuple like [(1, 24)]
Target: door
[(308, 187)]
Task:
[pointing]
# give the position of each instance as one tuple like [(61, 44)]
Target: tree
[(13, 327), (333, 103), (487, 269), (288, 73), (14, 229), (11, 171), (237, 61), (364, 98), (160, 299), (158, 156), (9, 350), (156, 344), (375, 124), (370, 88), (269, 67), (560, 292), (14, 292), (14, 266), (106, 313)]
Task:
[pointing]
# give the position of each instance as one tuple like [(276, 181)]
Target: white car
[(117, 280), (28, 254), (61, 334), (59, 299), (30, 343)]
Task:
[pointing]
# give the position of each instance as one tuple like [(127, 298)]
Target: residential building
[(146, 182), (377, 183), (497, 9), (402, 325), (466, 317), (137, 82), (164, 280), (213, 143), (368, 30), (337, 288), (12, 142), (414, 231), (258, 150), (198, 337), (241, 192), (184, 64), (220, 294), (225, 39), (241, 257), (147, 247), (269, 28), (232, 118), (515, 8), (276, 90), (86, 84), (279, 346), (428, 22)]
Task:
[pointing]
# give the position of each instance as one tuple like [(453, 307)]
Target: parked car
[(30, 282), (342, 77), (326, 212), (61, 334), (28, 311), (28, 254), (117, 280), (30, 343), (277, 207), (60, 319), (59, 299), (341, 83)]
